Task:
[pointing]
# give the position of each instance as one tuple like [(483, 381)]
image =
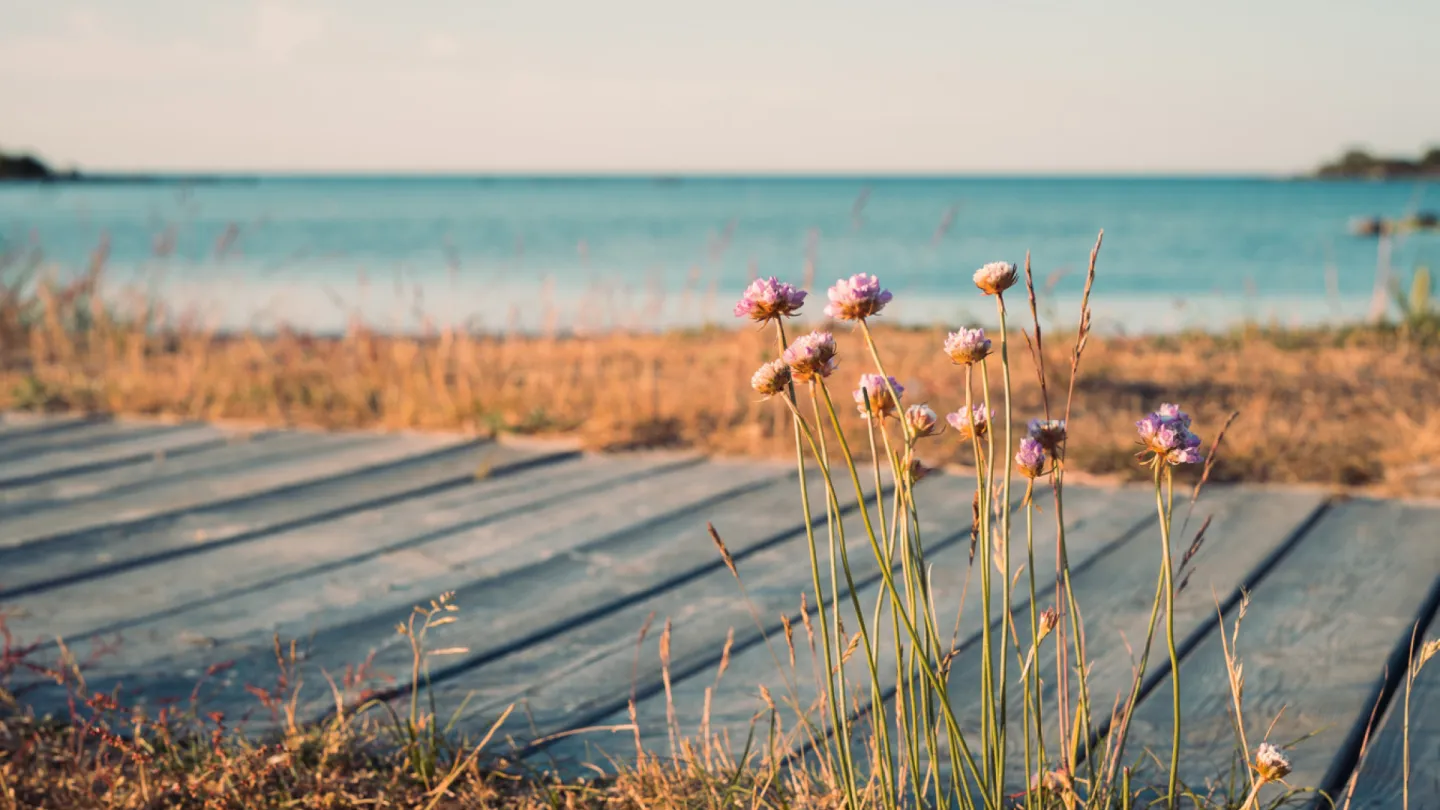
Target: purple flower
[(1050, 433), (769, 299), (961, 422), (995, 277), (856, 298), (967, 346), (1031, 458), (811, 356), (874, 387), (922, 419), (1166, 436), (771, 378)]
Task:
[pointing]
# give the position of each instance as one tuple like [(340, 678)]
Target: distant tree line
[(29, 167), (1359, 163)]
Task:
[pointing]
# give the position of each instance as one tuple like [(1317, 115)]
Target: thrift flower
[(881, 402), (769, 299), (961, 422), (1050, 433), (856, 298), (771, 378), (1030, 460), (1165, 435), (1270, 764), (967, 346), (811, 356), (918, 471), (995, 277), (922, 419)]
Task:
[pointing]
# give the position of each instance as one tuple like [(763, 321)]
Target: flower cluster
[(996, 277), (771, 378), (978, 417), (1050, 433), (769, 299), (1270, 764), (1166, 436), (856, 298), (812, 356), (922, 419), (1030, 460), (967, 346), (874, 388)]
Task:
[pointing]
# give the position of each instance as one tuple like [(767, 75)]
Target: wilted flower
[(811, 356), (961, 422), (1030, 460), (769, 299), (918, 471), (856, 298), (1048, 620), (1270, 764), (922, 419), (995, 277), (771, 378), (1057, 782), (874, 387), (1050, 433), (967, 346), (1166, 436)]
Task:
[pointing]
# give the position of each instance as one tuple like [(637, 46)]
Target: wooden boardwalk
[(160, 551)]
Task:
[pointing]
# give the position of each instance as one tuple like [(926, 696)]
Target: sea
[(590, 254)]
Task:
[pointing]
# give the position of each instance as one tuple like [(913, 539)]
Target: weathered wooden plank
[(76, 434), (243, 453), (1315, 643), (128, 599), (578, 663), (121, 512), (389, 579), (1095, 524), (16, 425), (1380, 780), (137, 445)]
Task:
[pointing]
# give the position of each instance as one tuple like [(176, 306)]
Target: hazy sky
[(743, 85)]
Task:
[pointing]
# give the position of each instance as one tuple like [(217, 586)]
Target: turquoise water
[(593, 253)]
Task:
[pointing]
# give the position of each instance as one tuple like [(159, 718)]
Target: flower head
[(1166, 436), (811, 356), (1050, 433), (1270, 764), (875, 388), (995, 277), (962, 422), (1030, 460), (967, 346), (918, 471), (922, 419), (1048, 620), (856, 298), (769, 299), (771, 378)]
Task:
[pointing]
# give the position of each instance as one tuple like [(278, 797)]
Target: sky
[(749, 86)]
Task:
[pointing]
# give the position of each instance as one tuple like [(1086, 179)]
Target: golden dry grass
[(1346, 407)]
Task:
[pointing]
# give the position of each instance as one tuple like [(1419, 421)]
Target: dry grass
[(1337, 407)]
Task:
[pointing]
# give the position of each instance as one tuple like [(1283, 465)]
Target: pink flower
[(1166, 436), (811, 356), (967, 346), (1050, 433), (1031, 458), (995, 277), (769, 299), (856, 298), (771, 378), (875, 388), (962, 422), (922, 419)]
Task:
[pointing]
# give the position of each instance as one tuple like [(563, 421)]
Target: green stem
[(1166, 510)]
